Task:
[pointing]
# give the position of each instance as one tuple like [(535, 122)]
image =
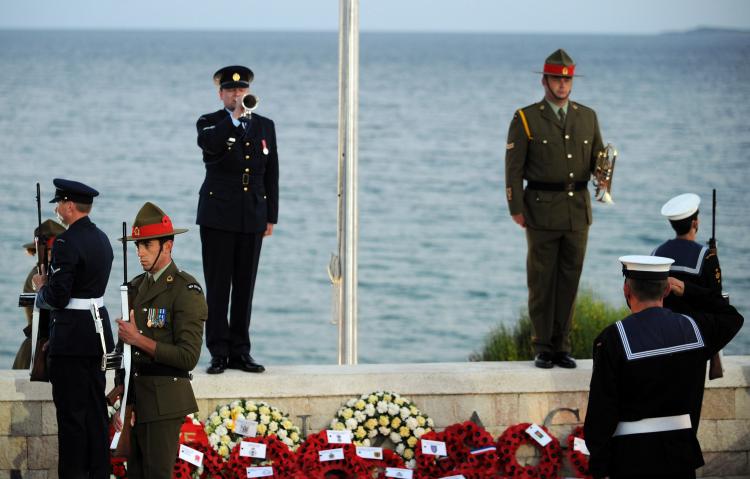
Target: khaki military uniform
[(172, 312), (23, 356), (557, 160)]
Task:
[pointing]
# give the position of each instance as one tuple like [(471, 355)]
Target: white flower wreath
[(220, 425), (380, 416)]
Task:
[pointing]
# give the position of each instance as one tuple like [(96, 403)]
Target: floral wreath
[(220, 425), (508, 444), (477, 447), (578, 460), (430, 466), (278, 455), (373, 418), (308, 459)]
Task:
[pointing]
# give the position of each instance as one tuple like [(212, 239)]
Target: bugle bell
[(603, 172), (249, 103)]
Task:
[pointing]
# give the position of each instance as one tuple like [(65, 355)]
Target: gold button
[(247, 170), (245, 188), (571, 175), (585, 142), (570, 193), (174, 379), (544, 142), (570, 155), (567, 137)]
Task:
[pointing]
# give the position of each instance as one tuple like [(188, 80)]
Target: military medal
[(265, 148)]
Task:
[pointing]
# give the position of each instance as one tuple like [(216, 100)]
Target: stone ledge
[(406, 379)]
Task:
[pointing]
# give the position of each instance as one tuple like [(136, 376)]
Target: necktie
[(561, 112)]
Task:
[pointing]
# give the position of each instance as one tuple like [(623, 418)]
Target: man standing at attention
[(165, 331), (78, 274), (553, 145), (238, 206)]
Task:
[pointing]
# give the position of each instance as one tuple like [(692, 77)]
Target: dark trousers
[(78, 393), (553, 269), (153, 448), (230, 261)]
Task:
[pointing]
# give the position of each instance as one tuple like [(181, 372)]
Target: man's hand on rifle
[(39, 279), (676, 286), (129, 333)]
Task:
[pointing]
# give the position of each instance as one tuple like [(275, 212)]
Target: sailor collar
[(658, 332)]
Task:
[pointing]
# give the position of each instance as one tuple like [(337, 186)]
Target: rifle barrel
[(124, 255)]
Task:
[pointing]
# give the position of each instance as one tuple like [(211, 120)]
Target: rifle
[(121, 444), (715, 367), (40, 318)]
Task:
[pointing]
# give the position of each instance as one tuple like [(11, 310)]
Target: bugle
[(603, 172)]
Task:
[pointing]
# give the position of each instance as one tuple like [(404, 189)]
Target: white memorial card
[(330, 455), (339, 437), (399, 473), (538, 434), (253, 449), (246, 428), (370, 452), (190, 455), (433, 448), (580, 446), (265, 471)]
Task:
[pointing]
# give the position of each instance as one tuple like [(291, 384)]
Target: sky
[(502, 16)]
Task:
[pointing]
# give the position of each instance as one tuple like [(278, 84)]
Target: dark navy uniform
[(81, 262), (696, 266), (652, 364), (239, 196)]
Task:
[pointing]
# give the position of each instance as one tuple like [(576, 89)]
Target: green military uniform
[(556, 158), (171, 310)]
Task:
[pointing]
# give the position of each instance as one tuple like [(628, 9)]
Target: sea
[(440, 261)]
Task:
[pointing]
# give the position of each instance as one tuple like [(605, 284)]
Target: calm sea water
[(441, 263)]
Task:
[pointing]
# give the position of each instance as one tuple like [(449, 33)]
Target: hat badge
[(136, 231), (236, 77), (565, 70)]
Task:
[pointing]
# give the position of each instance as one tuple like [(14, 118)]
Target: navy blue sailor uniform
[(81, 263), (239, 196), (698, 267), (647, 388)]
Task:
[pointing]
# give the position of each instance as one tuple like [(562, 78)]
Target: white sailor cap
[(645, 267), (681, 207)]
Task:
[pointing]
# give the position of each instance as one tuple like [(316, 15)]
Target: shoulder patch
[(195, 287), (510, 146)]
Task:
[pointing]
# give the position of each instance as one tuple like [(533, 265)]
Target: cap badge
[(236, 77), (136, 231), (565, 70)]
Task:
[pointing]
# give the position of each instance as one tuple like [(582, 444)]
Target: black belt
[(160, 370), (543, 186)]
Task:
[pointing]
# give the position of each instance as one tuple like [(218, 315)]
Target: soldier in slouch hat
[(165, 332), (78, 274), (553, 145)]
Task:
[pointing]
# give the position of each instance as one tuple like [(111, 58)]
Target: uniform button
[(135, 374), (174, 380), (570, 155), (247, 143), (567, 137), (247, 157), (245, 188), (229, 147), (571, 175), (210, 193), (544, 142), (137, 353), (585, 142), (570, 193), (247, 170), (140, 331)]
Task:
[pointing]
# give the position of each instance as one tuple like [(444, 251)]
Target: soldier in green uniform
[(165, 331), (49, 231), (553, 145)]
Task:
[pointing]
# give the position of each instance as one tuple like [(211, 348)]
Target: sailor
[(238, 207), (78, 274), (695, 273), (165, 332), (48, 232), (648, 377)]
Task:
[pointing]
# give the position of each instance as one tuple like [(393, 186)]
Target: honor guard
[(48, 231), (238, 205), (695, 265), (165, 332), (552, 145), (74, 292), (648, 377)]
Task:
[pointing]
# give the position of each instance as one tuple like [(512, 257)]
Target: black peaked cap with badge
[(69, 190), (235, 76)]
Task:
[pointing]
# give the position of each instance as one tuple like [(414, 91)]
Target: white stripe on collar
[(698, 344), (698, 264)]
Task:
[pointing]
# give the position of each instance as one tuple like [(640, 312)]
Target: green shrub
[(514, 343)]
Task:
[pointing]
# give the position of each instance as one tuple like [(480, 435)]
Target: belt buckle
[(570, 187), (245, 179)]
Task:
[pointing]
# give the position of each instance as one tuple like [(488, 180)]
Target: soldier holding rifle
[(73, 291), (165, 332)]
